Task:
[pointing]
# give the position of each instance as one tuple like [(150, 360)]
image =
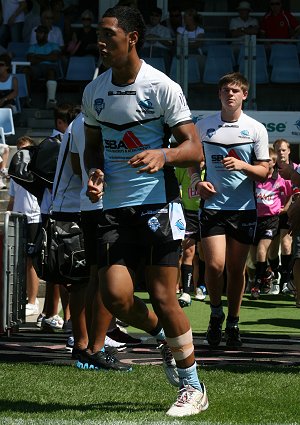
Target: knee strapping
[(181, 346)]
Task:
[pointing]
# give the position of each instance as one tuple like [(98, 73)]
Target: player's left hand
[(233, 164), (150, 161)]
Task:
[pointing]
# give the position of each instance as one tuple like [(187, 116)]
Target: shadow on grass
[(254, 368), (276, 321), (25, 406)]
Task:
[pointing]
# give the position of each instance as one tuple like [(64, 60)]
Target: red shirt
[(279, 26)]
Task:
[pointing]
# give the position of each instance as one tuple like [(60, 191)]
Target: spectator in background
[(152, 46), (22, 201), (84, 40), (32, 20), (191, 27), (243, 24), (279, 23), (8, 84), (173, 21), (12, 20), (54, 33), (61, 20), (44, 57)]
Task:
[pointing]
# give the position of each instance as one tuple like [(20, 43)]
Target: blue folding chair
[(22, 90), (7, 127), (81, 68)]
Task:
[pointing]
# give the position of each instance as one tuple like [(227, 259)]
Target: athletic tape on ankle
[(181, 346)]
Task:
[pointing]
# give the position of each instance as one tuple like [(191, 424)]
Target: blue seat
[(81, 68), (260, 53), (7, 127), (212, 36), (158, 63), (262, 75), (221, 51), (281, 52), (22, 89), (286, 71), (193, 69), (18, 50), (215, 68)]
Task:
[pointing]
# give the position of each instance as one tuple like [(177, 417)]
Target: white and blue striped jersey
[(134, 118), (245, 139)]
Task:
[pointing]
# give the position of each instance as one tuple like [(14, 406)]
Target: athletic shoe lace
[(167, 354), (110, 358), (184, 396)]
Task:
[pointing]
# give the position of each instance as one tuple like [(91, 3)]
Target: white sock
[(51, 89)]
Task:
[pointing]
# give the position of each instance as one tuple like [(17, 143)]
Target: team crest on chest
[(153, 224), (99, 105)]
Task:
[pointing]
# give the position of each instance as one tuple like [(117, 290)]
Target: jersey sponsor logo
[(99, 105), (228, 125), (151, 212), (233, 154), (210, 132), (121, 93), (146, 106), (217, 158), (153, 224), (131, 141)]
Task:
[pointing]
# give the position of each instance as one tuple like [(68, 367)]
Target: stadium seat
[(212, 35), (262, 75), (193, 69), (215, 68), (81, 68), (281, 52), (221, 51), (22, 89), (7, 127), (18, 50), (286, 71), (260, 53)]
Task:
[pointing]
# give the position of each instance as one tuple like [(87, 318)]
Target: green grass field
[(248, 394), (272, 314)]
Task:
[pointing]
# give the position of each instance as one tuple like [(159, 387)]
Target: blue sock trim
[(189, 376)]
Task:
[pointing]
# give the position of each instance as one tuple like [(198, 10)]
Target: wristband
[(165, 155), (195, 179)]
